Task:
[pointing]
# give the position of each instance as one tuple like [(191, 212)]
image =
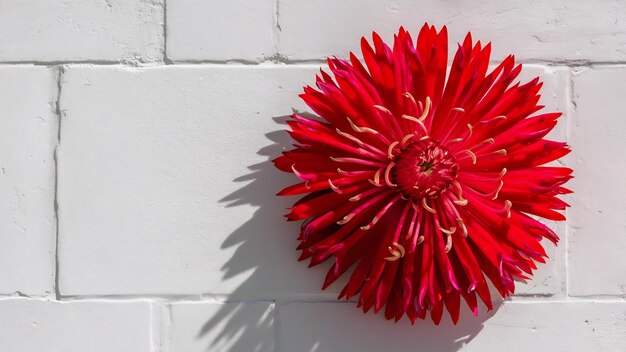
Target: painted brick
[(174, 194), (536, 326), (240, 30), (28, 132), (81, 30), (549, 279), (596, 226), (560, 30), (35, 325), (217, 327)]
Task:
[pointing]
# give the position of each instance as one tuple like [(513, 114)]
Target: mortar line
[(166, 59), (571, 107), (276, 29), (58, 112), (271, 61), (276, 326)]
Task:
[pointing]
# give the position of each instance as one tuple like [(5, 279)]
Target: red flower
[(425, 185)]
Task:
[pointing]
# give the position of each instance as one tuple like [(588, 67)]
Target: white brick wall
[(137, 208)]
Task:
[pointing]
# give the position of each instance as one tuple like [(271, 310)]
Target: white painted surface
[(28, 133), (81, 30), (169, 235), (222, 30), (96, 326), (598, 221), (201, 326), (516, 326), (561, 30)]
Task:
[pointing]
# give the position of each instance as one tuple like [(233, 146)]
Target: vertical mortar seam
[(166, 59), (276, 29), (159, 315), (571, 104), (276, 327), (58, 112)]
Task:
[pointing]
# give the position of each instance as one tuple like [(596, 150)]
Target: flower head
[(426, 182)]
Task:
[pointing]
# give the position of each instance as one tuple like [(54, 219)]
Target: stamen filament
[(462, 226), (345, 219), (367, 130), (388, 176), (498, 190), (390, 149), (357, 161), (448, 246), (406, 139), (360, 142), (460, 201), (426, 109), (395, 253), (425, 205), (471, 154), (448, 232), (507, 208), (416, 120), (333, 187)]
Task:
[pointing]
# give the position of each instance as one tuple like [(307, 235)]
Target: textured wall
[(137, 208)]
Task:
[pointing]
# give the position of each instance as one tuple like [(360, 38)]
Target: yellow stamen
[(426, 109), (400, 248), (372, 223), (488, 140), (498, 190), (507, 208), (462, 226), (410, 96), (376, 181), (361, 129), (405, 139), (383, 109), (345, 219), (416, 120), (448, 232), (461, 202), (396, 253), (353, 138), (448, 246), (425, 205), (456, 140), (471, 154), (333, 187), (388, 176), (390, 149)]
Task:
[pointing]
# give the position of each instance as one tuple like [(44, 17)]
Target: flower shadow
[(265, 252)]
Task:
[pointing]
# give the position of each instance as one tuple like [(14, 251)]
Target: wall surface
[(137, 208)]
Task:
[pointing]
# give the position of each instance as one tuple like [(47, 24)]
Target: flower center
[(424, 168)]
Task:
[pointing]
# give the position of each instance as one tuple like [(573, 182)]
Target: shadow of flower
[(265, 244)]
